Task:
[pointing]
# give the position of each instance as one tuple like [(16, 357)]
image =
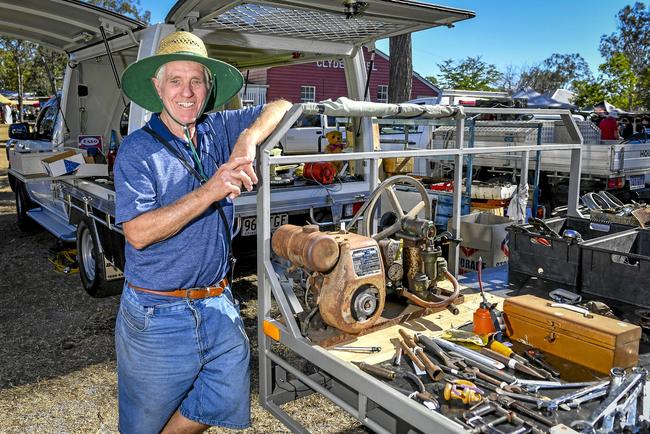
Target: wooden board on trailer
[(431, 325)]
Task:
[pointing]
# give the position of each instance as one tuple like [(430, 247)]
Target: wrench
[(608, 408), (534, 386), (512, 404), (628, 411), (553, 404), (529, 398), (585, 398)]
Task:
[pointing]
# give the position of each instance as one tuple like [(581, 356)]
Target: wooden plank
[(432, 325)]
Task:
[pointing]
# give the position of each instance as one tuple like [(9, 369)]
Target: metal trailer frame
[(373, 403)]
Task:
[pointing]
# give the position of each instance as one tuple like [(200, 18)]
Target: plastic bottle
[(112, 152)]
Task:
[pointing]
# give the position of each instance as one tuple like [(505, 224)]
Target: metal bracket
[(187, 23)]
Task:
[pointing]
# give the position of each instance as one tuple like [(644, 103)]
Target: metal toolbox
[(590, 340), (618, 267), (555, 260)]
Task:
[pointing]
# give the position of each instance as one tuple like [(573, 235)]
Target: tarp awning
[(5, 100), (347, 107)]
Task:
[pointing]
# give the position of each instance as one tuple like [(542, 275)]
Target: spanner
[(608, 408), (528, 398), (553, 404), (586, 398), (534, 386), (628, 411)]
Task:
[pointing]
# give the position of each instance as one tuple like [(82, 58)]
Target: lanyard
[(202, 179)]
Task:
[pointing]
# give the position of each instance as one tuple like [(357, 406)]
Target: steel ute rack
[(375, 404)]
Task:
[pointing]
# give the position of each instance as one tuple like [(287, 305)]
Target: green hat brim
[(139, 88)]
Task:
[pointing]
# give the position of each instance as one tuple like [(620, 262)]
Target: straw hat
[(136, 79)]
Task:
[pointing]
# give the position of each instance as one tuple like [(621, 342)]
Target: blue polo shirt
[(148, 177)]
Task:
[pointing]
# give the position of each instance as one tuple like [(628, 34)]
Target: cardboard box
[(92, 170), (63, 163), (29, 163), (484, 235)]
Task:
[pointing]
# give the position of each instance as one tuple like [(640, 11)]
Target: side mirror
[(20, 131)]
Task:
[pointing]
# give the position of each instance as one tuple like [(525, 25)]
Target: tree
[(589, 93), (632, 41), (559, 71), (632, 37), (470, 73), (400, 72), (19, 54), (129, 8), (39, 82), (509, 81), (621, 82), (432, 79)]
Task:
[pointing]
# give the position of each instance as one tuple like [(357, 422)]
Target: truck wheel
[(91, 264), (23, 204)]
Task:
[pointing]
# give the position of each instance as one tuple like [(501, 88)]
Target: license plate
[(637, 181), (249, 224)]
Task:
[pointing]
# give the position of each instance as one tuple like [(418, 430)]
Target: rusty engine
[(349, 275)]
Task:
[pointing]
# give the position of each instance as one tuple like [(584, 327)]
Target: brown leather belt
[(191, 293)]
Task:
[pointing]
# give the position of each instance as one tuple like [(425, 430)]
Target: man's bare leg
[(179, 424)]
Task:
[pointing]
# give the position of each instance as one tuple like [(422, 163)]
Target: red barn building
[(322, 80)]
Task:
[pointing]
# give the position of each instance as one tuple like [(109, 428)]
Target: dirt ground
[(57, 358)]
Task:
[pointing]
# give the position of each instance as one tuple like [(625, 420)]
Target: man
[(182, 353), (609, 127)]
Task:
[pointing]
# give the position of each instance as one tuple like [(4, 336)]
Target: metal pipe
[(434, 304), (469, 354)]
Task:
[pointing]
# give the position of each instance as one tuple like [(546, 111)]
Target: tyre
[(91, 263), (24, 204)]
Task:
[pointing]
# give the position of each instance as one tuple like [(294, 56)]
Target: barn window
[(382, 93), (307, 93)]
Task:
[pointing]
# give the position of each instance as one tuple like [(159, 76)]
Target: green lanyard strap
[(200, 175)]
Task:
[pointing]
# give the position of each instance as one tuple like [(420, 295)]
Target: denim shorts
[(191, 355)]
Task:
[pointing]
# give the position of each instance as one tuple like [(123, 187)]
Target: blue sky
[(504, 32)]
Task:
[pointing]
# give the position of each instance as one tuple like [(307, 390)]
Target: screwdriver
[(512, 363)]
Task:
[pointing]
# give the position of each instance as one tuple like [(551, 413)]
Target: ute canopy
[(61, 25), (266, 32)]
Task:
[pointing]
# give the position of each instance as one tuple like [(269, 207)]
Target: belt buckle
[(206, 292)]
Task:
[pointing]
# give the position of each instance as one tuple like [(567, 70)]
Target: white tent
[(560, 99)]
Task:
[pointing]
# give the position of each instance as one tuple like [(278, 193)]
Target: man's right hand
[(229, 179)]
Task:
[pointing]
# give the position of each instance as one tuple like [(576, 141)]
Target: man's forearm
[(165, 222), (260, 129)]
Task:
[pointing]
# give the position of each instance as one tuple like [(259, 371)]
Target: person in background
[(182, 352), (643, 125), (7, 115), (609, 127), (626, 128)]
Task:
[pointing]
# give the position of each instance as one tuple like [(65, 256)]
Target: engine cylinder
[(306, 247)]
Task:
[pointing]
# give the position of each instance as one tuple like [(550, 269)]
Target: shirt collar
[(156, 124)]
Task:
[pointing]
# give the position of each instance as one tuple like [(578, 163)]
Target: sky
[(504, 32)]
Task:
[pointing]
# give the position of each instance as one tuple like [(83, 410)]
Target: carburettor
[(347, 273)]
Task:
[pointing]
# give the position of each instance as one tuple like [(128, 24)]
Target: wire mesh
[(308, 24)]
